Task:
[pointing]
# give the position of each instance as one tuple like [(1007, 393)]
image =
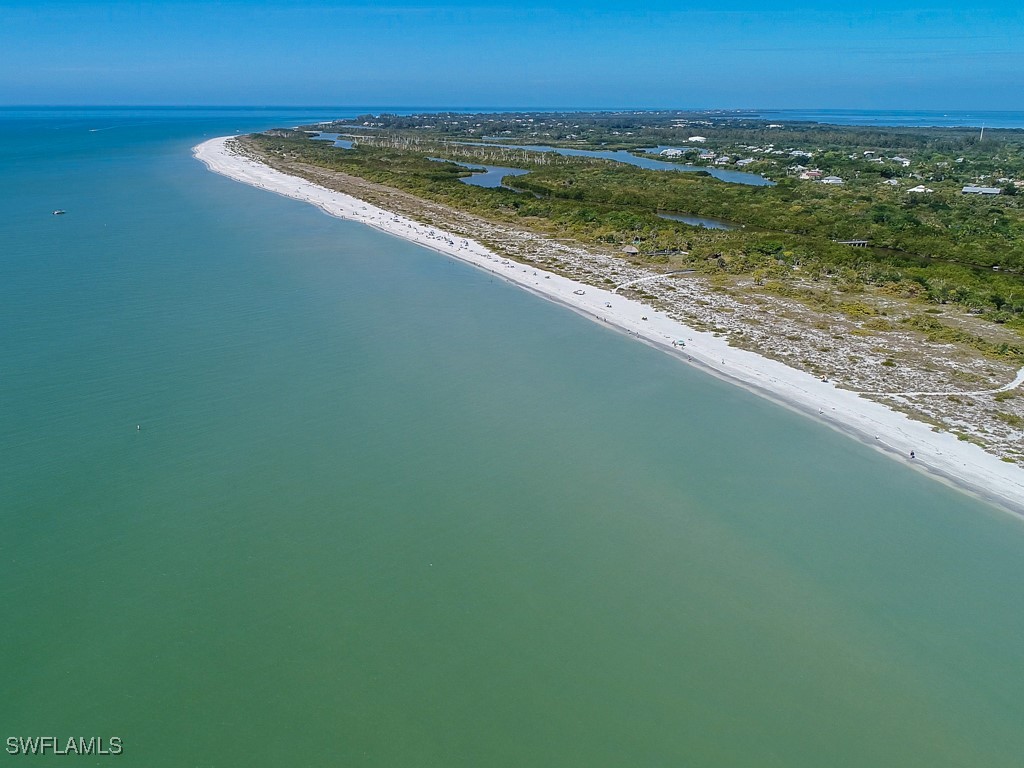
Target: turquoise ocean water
[(383, 510)]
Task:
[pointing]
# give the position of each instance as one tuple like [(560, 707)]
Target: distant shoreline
[(893, 118), (899, 118), (941, 454)]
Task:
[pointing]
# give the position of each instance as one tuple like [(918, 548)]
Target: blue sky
[(931, 54)]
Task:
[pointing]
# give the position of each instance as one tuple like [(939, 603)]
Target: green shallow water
[(384, 510)]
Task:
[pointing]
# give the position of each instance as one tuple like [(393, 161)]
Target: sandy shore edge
[(961, 464)]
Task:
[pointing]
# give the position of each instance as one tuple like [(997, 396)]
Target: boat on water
[(59, 212)]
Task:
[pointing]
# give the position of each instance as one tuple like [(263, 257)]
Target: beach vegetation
[(1010, 418), (940, 248)]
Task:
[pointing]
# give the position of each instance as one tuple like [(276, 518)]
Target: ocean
[(279, 489), (905, 118)]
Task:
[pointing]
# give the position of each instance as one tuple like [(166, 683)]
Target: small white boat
[(59, 212), (579, 292)]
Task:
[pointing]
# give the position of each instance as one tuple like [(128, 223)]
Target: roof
[(972, 190)]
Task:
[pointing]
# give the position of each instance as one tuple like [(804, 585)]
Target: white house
[(892, 182), (905, 162), (920, 188), (832, 180), (972, 190), (698, 139)]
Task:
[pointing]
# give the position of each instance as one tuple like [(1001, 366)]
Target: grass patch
[(937, 332), (1010, 418)]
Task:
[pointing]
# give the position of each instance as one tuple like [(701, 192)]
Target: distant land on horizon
[(946, 118)]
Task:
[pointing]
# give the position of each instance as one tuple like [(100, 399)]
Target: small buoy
[(138, 427)]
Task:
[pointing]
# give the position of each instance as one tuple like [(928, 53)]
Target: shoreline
[(942, 455)]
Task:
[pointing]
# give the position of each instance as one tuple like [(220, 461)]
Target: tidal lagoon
[(280, 489)]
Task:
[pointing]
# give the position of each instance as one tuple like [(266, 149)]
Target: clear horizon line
[(502, 108)]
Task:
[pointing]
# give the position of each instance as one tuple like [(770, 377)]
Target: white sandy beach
[(961, 463)]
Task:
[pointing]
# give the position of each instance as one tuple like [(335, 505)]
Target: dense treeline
[(983, 232), (640, 128), (859, 154), (943, 246)]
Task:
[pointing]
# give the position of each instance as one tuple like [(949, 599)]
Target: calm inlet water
[(385, 510), (641, 161), (491, 175), (700, 221)]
